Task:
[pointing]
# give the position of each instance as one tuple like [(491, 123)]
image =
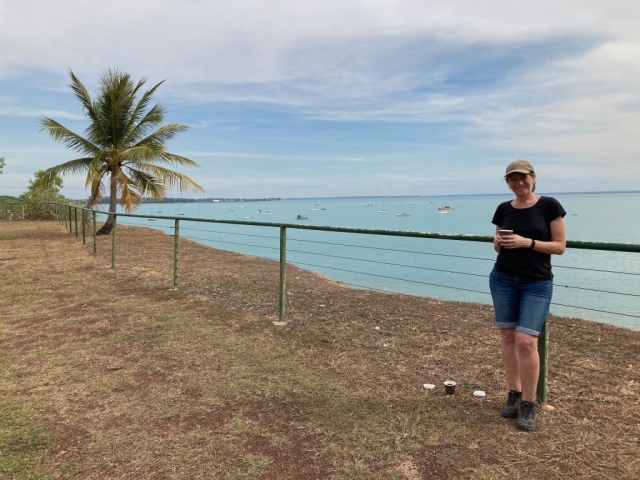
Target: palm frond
[(97, 188), (69, 168), (154, 155), (163, 134), (150, 121), (140, 122), (72, 140), (179, 160), (149, 186), (127, 191), (83, 96), (169, 178), (147, 153)]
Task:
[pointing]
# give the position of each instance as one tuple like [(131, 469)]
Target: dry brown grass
[(114, 374)]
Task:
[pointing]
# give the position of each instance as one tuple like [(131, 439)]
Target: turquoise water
[(450, 270)]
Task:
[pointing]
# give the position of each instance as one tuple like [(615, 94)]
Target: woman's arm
[(556, 245), (558, 241)]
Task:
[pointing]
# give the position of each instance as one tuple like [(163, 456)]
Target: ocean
[(594, 285)]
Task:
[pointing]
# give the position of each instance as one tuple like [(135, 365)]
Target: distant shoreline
[(206, 200), (364, 197)]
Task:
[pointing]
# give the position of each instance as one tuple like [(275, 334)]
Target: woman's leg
[(510, 358), (535, 299), (529, 364)]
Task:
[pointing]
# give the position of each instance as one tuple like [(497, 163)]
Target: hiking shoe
[(527, 417), (512, 406)]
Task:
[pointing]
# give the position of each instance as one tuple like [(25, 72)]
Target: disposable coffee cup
[(450, 387)]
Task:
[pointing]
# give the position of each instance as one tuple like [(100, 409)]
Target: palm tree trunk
[(113, 201)]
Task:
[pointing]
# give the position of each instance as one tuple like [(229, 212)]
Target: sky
[(309, 98)]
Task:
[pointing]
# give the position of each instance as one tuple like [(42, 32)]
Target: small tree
[(42, 191), (1, 164)]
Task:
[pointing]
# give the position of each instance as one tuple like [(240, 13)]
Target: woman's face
[(521, 183)]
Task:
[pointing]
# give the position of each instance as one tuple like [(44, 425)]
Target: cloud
[(265, 156), (8, 111), (485, 80)]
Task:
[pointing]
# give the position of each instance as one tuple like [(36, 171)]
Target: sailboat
[(444, 208), (382, 210), (263, 212), (402, 214)]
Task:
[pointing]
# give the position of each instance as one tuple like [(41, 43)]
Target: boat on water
[(444, 208), (401, 213), (369, 204), (261, 212), (382, 210), (152, 219), (247, 217), (413, 206), (302, 217)]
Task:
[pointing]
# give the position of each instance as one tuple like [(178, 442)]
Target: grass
[(115, 374)]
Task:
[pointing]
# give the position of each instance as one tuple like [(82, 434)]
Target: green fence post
[(176, 238), (84, 241), (543, 352), (95, 243), (75, 219), (113, 242), (70, 224), (283, 269)]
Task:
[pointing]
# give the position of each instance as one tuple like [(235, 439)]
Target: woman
[(521, 284)]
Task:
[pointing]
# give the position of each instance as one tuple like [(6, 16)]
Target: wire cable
[(231, 243), (386, 263)]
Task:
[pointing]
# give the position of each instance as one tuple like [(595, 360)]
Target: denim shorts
[(520, 303)]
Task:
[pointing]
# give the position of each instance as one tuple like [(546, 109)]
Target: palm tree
[(123, 147)]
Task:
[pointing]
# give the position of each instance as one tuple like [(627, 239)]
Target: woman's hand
[(511, 241)]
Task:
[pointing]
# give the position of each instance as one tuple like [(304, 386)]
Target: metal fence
[(318, 242), (27, 211)]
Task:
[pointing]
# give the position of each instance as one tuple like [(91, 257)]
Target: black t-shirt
[(532, 222)]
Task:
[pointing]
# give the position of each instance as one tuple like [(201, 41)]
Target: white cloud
[(564, 83), (266, 156), (9, 111)]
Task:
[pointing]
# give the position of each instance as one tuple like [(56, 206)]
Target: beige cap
[(520, 166)]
